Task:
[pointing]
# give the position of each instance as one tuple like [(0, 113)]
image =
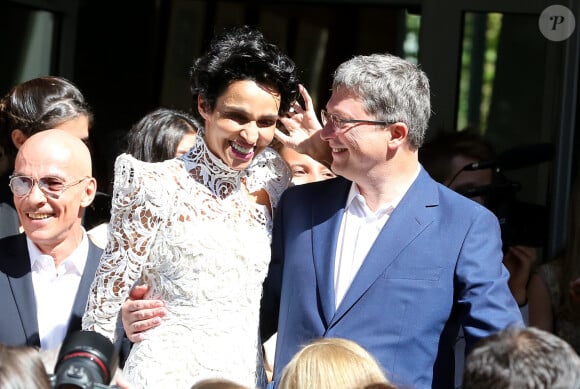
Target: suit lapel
[(20, 279), (407, 221), (326, 218), (79, 305)]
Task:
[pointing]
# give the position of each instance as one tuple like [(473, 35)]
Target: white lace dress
[(187, 228)]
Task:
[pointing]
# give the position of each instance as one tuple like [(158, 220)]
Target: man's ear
[(89, 193), (18, 138), (399, 132)]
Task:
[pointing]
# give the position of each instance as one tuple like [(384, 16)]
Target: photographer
[(555, 286)]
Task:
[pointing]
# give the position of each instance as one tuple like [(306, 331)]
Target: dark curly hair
[(242, 53)]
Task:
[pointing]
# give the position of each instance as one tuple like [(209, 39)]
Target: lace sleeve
[(135, 219), (269, 171)]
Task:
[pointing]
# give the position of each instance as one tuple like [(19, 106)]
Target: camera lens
[(85, 358)]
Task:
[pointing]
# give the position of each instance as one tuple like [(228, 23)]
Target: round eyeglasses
[(51, 186), (342, 125)]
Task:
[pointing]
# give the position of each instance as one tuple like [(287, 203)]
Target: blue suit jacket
[(18, 321), (436, 265)]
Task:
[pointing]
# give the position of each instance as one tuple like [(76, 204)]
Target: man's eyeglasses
[(343, 125), (51, 186)]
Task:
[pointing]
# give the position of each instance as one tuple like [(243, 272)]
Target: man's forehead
[(32, 161)]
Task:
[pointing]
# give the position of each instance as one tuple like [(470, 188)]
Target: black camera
[(86, 360), (521, 223)]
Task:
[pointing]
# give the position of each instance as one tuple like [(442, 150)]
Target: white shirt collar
[(354, 193), (74, 263)]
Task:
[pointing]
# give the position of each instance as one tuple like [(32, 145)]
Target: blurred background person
[(448, 153), (522, 358), (554, 291), (331, 363), (162, 134), (445, 158), (304, 168)]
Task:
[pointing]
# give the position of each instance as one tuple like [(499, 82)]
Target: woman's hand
[(304, 130), (139, 315)]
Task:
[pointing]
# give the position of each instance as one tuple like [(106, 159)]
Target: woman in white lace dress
[(196, 229)]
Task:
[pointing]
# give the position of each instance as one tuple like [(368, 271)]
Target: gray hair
[(391, 89), (522, 358)]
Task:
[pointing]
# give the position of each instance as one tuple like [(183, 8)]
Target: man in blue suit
[(384, 255), (46, 272)]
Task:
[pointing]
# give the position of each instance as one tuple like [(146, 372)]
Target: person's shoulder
[(125, 159), (131, 172)]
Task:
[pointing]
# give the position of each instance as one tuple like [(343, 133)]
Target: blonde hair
[(330, 363), (21, 367)]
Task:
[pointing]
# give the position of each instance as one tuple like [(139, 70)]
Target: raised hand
[(303, 130), (519, 260)]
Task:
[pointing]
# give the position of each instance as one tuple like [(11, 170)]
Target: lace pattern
[(187, 228)]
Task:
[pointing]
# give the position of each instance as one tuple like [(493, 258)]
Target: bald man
[(46, 271)]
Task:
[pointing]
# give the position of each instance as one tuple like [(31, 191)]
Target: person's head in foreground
[(330, 363), (522, 358), (217, 383), (21, 367)]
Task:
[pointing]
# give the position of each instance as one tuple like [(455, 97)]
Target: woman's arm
[(134, 223)]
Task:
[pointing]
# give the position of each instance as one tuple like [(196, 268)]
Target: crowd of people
[(253, 217)]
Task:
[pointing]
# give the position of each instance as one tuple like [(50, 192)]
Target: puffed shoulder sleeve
[(269, 171), (136, 215)]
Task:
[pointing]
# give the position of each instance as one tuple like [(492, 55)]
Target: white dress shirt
[(55, 289), (359, 229)]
